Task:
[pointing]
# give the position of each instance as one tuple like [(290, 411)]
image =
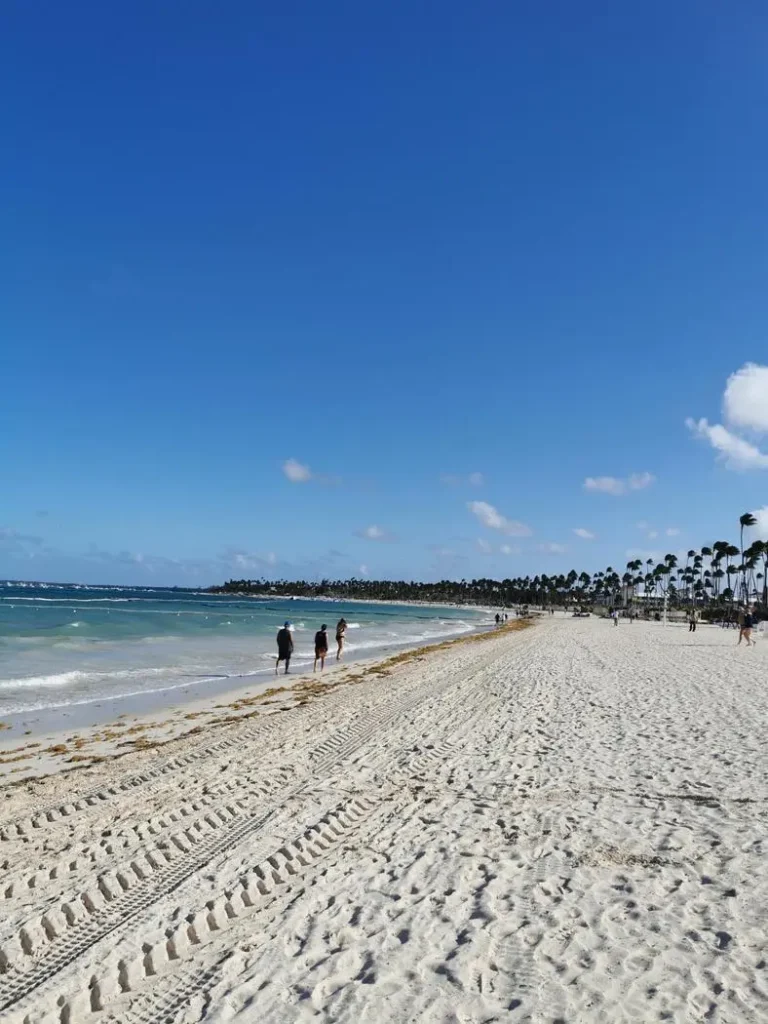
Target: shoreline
[(100, 709), (101, 730), (360, 600)]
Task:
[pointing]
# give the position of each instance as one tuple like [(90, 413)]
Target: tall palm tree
[(744, 520)]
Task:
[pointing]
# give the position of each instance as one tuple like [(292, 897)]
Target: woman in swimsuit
[(341, 629)]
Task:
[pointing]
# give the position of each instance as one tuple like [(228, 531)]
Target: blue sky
[(400, 244)]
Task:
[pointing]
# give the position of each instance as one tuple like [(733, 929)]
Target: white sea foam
[(31, 682), (79, 676)]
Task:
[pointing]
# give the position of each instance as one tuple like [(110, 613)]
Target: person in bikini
[(341, 630)]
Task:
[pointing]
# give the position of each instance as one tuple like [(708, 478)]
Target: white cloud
[(363, 570), (494, 520), (553, 549), (761, 527), (618, 485), (639, 481), (732, 449), (509, 549), (672, 531), (375, 533), (584, 534), (476, 479), (642, 525), (605, 484), (296, 472), (653, 534), (745, 402), (745, 406), (484, 546)]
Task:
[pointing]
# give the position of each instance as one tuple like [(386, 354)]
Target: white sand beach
[(561, 824)]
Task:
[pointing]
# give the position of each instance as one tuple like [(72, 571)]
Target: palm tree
[(744, 520)]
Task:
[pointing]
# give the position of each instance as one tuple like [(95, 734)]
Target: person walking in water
[(284, 647), (341, 631), (321, 647)]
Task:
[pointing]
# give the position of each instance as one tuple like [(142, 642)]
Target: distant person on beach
[(284, 647), (321, 647), (745, 627), (341, 632), (498, 619), (692, 621)]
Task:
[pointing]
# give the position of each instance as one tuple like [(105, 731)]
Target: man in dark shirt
[(745, 627), (284, 647), (321, 647)]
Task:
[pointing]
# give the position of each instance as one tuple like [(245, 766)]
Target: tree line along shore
[(713, 579)]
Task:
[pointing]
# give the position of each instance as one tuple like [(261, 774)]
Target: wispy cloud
[(250, 561), (441, 551), (457, 480), (510, 549), (446, 559), (484, 546), (494, 520), (672, 531), (619, 485), (10, 536), (363, 570), (551, 548), (375, 532), (296, 471), (734, 451), (745, 407), (644, 554), (584, 534)]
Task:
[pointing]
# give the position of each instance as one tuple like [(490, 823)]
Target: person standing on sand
[(745, 628), (498, 620), (284, 647), (321, 647), (692, 621), (341, 630)]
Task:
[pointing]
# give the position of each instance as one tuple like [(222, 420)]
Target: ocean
[(75, 645)]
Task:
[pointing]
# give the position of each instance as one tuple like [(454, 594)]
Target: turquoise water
[(63, 645)]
